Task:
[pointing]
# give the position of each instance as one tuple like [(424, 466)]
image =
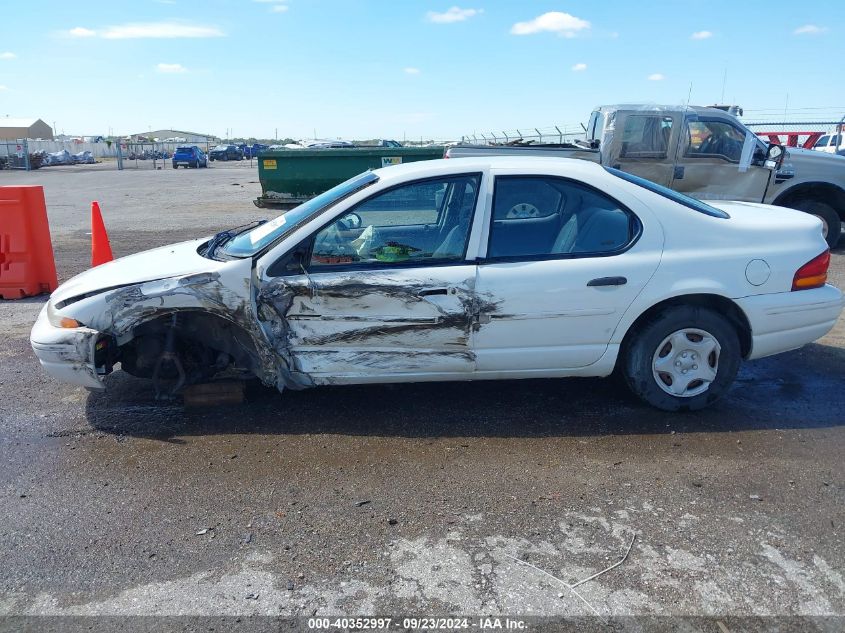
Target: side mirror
[(774, 157)]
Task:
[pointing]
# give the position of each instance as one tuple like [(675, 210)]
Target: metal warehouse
[(11, 129), (185, 137)]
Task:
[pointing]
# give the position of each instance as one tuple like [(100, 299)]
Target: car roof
[(531, 164)]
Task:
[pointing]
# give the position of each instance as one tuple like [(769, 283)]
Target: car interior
[(553, 216), (429, 220)]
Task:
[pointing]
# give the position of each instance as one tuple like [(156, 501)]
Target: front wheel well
[(211, 340), (717, 303), (827, 193)]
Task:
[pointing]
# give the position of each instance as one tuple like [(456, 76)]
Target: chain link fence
[(150, 154), (14, 154), (527, 136), (27, 154)]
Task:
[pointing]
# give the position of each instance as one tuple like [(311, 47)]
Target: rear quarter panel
[(708, 255)]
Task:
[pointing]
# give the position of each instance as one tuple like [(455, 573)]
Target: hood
[(808, 158), (175, 260)]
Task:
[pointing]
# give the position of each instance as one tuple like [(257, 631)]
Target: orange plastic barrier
[(27, 266)]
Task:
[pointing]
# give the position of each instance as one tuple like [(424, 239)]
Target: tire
[(175, 166), (829, 217), (694, 330), (196, 165)]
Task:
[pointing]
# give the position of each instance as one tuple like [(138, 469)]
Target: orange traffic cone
[(100, 247)]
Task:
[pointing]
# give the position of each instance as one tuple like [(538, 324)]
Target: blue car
[(251, 151), (189, 156)]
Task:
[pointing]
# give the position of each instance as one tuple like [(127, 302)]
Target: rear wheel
[(831, 223), (683, 359)]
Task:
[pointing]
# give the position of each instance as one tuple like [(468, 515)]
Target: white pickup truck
[(703, 152)]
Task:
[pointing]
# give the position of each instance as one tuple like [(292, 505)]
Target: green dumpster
[(288, 177)]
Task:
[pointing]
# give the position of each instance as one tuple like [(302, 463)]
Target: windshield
[(674, 196), (249, 243), (221, 148)]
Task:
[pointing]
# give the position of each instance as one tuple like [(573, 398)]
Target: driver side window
[(715, 138), (422, 222)]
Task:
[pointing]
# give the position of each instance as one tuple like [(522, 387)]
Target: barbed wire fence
[(547, 135)]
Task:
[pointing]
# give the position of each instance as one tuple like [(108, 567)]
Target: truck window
[(646, 136), (714, 138), (823, 141)]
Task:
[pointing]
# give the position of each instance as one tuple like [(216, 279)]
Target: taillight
[(813, 274)]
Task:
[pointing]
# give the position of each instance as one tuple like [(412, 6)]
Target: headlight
[(57, 320)]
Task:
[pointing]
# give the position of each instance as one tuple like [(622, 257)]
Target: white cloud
[(701, 35), (579, 67), (159, 30), (810, 29), (563, 24), (81, 32), (454, 14), (279, 8), (2, 87), (656, 77), (411, 70), (171, 69), (7, 55)]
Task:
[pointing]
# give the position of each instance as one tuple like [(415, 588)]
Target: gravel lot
[(402, 500)]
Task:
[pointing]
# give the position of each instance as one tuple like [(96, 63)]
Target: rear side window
[(547, 217), (646, 136), (674, 196)]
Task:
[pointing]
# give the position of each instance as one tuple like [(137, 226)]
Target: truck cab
[(709, 154)]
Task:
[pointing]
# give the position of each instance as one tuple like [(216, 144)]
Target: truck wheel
[(831, 224), (683, 359)]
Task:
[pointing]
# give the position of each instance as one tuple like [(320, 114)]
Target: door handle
[(429, 292), (607, 281)]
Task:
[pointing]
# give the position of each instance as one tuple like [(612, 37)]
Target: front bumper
[(66, 354), (788, 320)]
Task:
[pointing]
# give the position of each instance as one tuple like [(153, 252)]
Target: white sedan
[(467, 269)]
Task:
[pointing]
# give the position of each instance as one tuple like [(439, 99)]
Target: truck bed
[(555, 150)]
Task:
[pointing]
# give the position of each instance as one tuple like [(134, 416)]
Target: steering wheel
[(350, 221), (523, 210)]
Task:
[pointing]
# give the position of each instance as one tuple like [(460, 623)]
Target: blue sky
[(394, 68)]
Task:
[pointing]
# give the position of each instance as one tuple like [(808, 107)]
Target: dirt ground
[(414, 500)]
